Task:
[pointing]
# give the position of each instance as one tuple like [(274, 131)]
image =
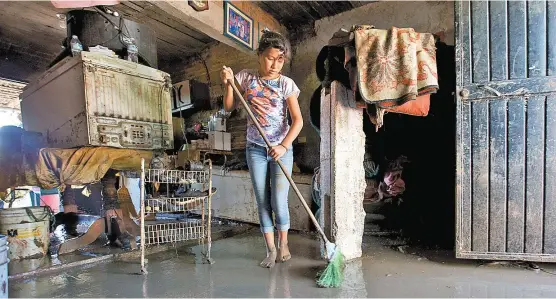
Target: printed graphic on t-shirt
[(267, 100), (262, 101)]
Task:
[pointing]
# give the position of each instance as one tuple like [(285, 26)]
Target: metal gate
[(506, 132)]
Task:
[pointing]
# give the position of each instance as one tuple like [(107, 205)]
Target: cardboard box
[(220, 141), (227, 141), (216, 140)]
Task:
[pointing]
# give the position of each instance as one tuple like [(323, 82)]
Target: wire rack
[(173, 204), (159, 233), (188, 218), (175, 176)]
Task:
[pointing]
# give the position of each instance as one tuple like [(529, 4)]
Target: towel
[(397, 65), (389, 70)]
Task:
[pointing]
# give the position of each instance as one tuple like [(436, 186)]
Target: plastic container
[(132, 52), (27, 230), (76, 47)]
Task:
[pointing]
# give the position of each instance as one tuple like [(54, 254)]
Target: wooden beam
[(304, 10), (167, 48), (130, 5), (322, 12), (310, 10), (160, 16), (268, 7), (330, 8), (211, 21), (167, 33)]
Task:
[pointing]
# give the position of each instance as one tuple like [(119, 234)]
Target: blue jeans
[(271, 186)]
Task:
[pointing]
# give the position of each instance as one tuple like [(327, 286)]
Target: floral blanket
[(395, 65)]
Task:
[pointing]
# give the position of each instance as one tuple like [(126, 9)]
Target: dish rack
[(188, 217)]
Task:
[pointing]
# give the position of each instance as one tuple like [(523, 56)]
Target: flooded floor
[(383, 272)]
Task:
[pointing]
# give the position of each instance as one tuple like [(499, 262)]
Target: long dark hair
[(271, 39)]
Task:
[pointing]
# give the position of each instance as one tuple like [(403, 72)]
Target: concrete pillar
[(342, 175)]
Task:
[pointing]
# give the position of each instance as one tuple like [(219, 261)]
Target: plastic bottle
[(132, 51), (76, 46)]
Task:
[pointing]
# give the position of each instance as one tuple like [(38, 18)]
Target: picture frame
[(198, 5), (238, 26)]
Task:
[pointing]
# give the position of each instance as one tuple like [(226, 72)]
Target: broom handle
[(284, 170)]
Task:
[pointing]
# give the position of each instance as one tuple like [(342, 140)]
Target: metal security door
[(506, 132)]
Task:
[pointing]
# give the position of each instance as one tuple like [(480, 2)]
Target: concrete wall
[(235, 199), (430, 16)]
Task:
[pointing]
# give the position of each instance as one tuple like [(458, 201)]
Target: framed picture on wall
[(238, 26), (199, 5)]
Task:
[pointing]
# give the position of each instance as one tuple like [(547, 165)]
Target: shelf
[(172, 204), (214, 151), (175, 176), (159, 232), (182, 108), (177, 218)]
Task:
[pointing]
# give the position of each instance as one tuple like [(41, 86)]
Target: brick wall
[(215, 57)]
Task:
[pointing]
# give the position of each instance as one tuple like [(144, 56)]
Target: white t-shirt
[(267, 100)]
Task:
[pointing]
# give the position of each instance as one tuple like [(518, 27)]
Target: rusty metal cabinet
[(506, 130), (96, 100)]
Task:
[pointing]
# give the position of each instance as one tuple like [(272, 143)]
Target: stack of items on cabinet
[(218, 138), (207, 136), (95, 115), (210, 133)]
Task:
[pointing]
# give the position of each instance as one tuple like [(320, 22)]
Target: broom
[(332, 276)]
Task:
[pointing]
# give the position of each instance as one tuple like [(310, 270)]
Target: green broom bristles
[(333, 275)]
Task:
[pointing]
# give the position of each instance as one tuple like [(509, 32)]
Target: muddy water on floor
[(382, 273)]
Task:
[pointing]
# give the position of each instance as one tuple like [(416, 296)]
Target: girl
[(270, 95)]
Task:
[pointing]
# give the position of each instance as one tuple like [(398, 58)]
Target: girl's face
[(271, 62)]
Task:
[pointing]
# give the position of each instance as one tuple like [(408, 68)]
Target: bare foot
[(284, 255), (270, 259)]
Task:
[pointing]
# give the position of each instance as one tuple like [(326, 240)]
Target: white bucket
[(27, 231), (4, 266)]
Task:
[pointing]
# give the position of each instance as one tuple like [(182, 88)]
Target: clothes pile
[(388, 187)]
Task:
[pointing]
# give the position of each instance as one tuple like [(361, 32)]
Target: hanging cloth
[(395, 67)]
